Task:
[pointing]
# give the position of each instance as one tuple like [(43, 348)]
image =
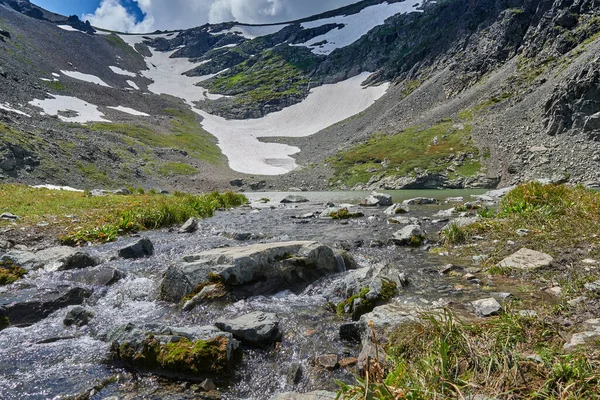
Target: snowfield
[(68, 28), (123, 72), (355, 25), (133, 85), (59, 105), (239, 139), (85, 77), (129, 111), (252, 32)]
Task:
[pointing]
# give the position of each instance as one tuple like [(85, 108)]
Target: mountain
[(379, 94)]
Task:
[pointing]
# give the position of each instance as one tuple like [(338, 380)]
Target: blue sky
[(80, 7), (150, 15)]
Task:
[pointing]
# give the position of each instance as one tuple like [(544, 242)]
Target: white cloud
[(181, 14)]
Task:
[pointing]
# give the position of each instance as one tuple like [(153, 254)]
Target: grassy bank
[(445, 147), (78, 217), (521, 353)]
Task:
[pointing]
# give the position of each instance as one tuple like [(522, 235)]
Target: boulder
[(251, 270), (396, 209), (410, 235), (316, 395), (24, 259), (419, 201), (78, 316), (28, 306), (385, 320), (65, 258), (9, 216), (139, 249), (526, 259), (291, 199), (102, 276), (377, 199), (195, 353), (237, 182), (254, 329), (486, 307), (190, 226)]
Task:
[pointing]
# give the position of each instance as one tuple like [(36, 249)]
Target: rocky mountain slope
[(379, 94)]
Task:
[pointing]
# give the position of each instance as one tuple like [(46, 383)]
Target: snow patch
[(325, 106), (85, 77), (54, 187), (68, 28), (355, 25), (128, 110), (133, 85), (59, 105), (7, 107), (54, 74), (120, 71), (252, 32)]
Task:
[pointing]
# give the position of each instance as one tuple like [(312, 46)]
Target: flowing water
[(48, 360)]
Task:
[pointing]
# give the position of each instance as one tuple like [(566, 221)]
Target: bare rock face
[(251, 270)]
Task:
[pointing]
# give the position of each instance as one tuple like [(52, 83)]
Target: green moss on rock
[(10, 273)]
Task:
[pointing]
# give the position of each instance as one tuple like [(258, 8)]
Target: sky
[(150, 15)]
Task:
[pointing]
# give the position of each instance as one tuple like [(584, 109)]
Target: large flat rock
[(260, 268), (316, 395), (526, 259)]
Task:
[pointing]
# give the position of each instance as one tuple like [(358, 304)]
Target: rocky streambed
[(252, 303)]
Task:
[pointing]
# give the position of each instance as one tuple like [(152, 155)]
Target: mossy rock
[(10, 273)]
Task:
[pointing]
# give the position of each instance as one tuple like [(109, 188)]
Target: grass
[(10, 273), (186, 134), (445, 357), (56, 86), (559, 217), (407, 151), (78, 218), (343, 213), (175, 168), (115, 41)]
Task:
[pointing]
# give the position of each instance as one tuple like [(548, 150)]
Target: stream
[(48, 360)]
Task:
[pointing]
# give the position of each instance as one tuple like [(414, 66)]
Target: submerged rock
[(251, 270), (195, 353), (139, 249), (291, 199), (527, 259), (328, 361), (255, 329), (28, 306), (103, 276), (78, 316)]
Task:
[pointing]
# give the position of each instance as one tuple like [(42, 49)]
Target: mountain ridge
[(473, 65)]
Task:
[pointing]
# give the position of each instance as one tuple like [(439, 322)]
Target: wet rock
[(208, 385), (78, 316), (237, 182), (254, 329), (102, 276), (316, 395), (24, 259), (251, 270), (526, 259), (195, 353), (9, 216), (396, 209), (419, 201), (292, 199), (139, 249), (404, 221), (28, 306), (65, 258), (486, 307), (328, 361), (350, 331), (208, 293), (294, 375), (411, 235), (190, 226), (377, 199), (258, 185)]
